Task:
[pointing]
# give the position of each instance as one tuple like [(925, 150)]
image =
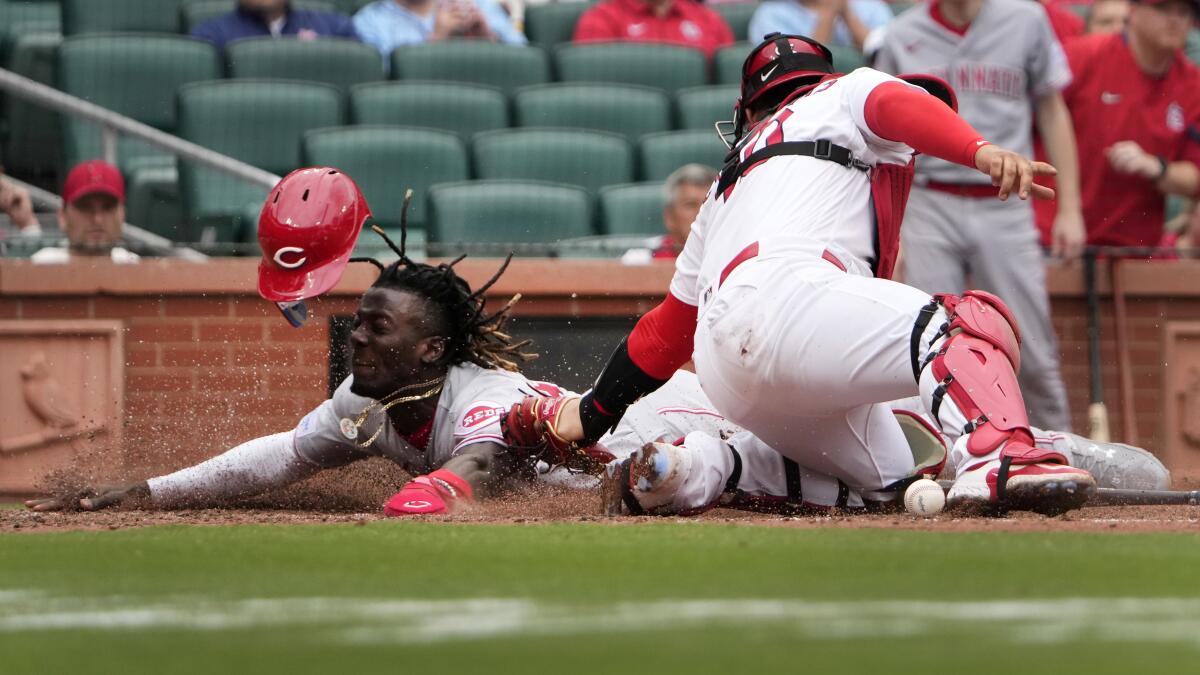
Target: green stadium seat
[(490, 63), (631, 111), (1193, 46), (737, 15), (507, 212), (21, 18), (552, 24), (136, 76), (195, 12), (660, 154), (342, 63), (649, 65), (702, 107), (259, 122), (34, 136), (846, 59), (729, 62), (589, 159), (461, 108), (120, 16), (153, 203), (634, 209), (386, 161)]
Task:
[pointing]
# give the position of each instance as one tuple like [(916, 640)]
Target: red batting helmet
[(307, 230), (790, 61)]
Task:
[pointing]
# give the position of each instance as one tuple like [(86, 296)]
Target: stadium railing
[(112, 125)]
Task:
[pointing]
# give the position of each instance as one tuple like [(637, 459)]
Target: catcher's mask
[(307, 230), (780, 62)]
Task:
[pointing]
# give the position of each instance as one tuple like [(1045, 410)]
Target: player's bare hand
[(1127, 157), (103, 497), (1068, 236), (1013, 172)]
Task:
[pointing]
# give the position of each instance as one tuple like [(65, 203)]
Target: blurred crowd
[(1105, 91)]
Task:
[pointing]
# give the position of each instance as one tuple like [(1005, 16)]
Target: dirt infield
[(557, 506), (355, 494)]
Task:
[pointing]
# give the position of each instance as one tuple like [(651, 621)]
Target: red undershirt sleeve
[(898, 112), (661, 341)]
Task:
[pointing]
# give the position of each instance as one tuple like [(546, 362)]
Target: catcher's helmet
[(779, 61), (307, 230)]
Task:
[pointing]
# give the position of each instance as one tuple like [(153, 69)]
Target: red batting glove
[(435, 493)]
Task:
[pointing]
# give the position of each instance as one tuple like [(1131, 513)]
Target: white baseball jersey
[(469, 409), (795, 204), (1007, 59)]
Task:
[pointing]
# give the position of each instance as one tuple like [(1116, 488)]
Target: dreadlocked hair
[(473, 335)]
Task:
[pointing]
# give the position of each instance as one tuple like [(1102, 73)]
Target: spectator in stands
[(675, 22), (1135, 104), (387, 24), (18, 206), (275, 18), (1107, 16), (684, 190), (831, 22), (92, 215)]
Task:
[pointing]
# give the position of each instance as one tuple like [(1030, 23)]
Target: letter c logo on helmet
[(293, 264), (307, 230)]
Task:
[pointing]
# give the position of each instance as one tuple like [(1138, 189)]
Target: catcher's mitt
[(530, 428)]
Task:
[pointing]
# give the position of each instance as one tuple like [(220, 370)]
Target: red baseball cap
[(93, 177)]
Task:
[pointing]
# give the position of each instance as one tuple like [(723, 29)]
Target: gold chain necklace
[(350, 427)]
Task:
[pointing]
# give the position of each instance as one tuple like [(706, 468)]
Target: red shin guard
[(977, 368)]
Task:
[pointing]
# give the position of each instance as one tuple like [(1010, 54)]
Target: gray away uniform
[(1008, 59)]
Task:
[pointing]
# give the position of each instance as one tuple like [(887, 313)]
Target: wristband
[(1162, 168)]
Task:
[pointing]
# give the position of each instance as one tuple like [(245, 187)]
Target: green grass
[(579, 598)]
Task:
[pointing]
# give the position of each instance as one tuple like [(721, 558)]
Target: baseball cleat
[(1116, 465), (646, 480), (1046, 488)]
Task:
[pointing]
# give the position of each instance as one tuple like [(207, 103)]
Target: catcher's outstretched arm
[(660, 343)]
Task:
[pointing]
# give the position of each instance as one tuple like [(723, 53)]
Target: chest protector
[(890, 186)]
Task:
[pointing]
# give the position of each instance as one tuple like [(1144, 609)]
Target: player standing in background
[(782, 298), (1005, 64), (1135, 103)]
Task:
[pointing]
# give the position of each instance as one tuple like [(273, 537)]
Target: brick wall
[(209, 364)]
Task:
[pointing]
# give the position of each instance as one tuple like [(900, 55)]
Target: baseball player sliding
[(783, 300)]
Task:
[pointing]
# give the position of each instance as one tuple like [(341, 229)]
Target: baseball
[(924, 498)]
